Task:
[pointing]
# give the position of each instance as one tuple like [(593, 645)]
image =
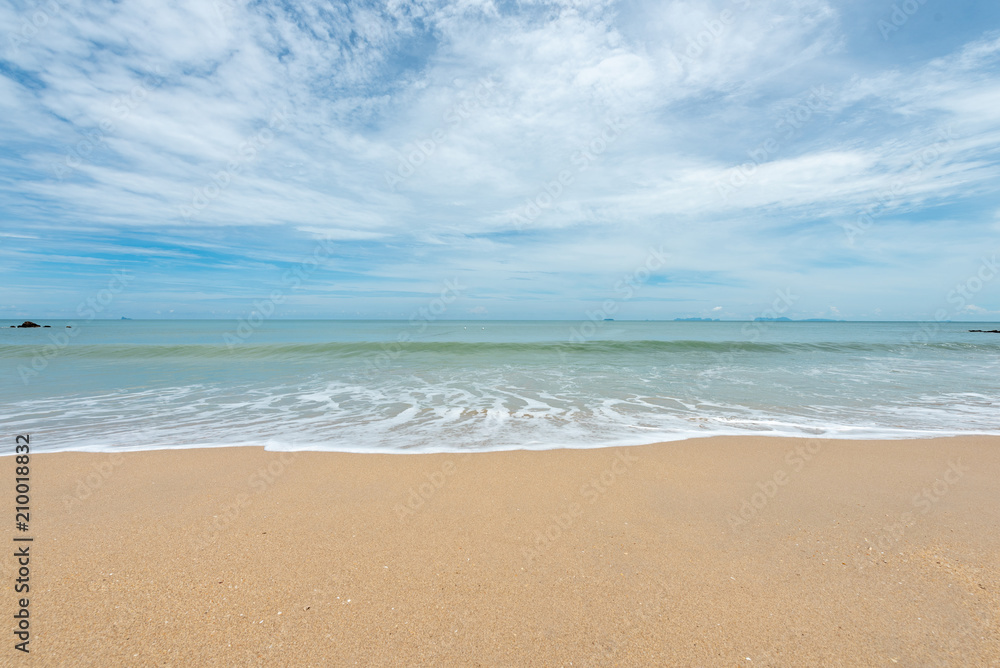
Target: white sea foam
[(502, 396)]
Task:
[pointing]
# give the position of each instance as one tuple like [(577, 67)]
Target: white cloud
[(698, 85)]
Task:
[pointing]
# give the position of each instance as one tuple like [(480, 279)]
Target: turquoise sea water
[(396, 386)]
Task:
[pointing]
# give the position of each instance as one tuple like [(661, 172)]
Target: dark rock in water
[(986, 331), (46, 325), (28, 323)]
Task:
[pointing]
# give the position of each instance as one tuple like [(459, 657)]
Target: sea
[(462, 386)]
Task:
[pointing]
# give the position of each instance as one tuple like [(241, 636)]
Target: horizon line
[(685, 320)]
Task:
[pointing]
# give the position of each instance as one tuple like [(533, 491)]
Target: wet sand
[(734, 551)]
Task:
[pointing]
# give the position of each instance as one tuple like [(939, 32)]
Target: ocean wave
[(248, 351)]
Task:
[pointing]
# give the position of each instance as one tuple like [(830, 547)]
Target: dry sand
[(873, 553)]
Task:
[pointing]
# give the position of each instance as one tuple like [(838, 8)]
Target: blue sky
[(534, 152)]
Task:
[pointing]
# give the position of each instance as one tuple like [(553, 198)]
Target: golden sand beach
[(728, 551)]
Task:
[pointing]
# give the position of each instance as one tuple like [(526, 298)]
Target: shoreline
[(711, 550), (916, 436)]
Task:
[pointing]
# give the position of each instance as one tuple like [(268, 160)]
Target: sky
[(494, 159)]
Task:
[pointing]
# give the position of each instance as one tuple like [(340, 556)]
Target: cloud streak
[(128, 132)]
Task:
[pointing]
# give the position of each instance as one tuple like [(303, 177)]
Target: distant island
[(784, 319)]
